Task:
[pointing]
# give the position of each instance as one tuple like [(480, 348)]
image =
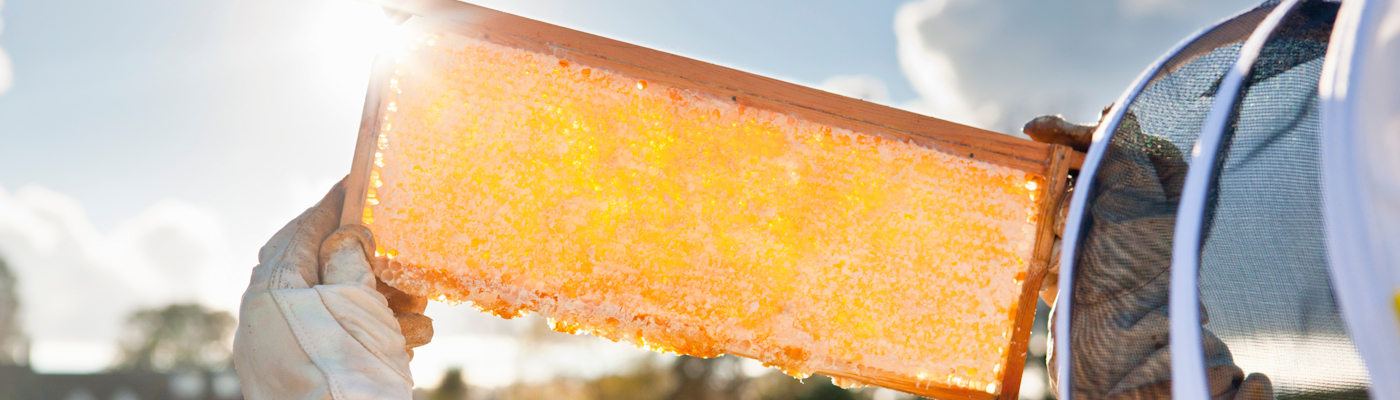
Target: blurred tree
[(777, 386), (559, 388), (14, 348), (707, 378), (452, 386), (647, 380), (773, 386), (179, 336), (822, 389)]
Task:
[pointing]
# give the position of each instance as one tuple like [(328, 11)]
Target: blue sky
[(153, 145)]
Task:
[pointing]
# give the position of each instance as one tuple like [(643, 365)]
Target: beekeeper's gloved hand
[(314, 323), (1120, 327)]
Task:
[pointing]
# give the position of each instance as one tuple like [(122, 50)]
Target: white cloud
[(997, 64), (7, 75), (1145, 7), (1170, 8), (73, 357), (864, 87), (931, 71), (78, 285)]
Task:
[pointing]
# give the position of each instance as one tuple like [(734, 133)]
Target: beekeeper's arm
[(313, 324)]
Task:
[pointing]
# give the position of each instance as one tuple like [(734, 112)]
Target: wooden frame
[(1051, 162)]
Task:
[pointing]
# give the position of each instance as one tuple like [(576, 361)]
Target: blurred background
[(151, 146)]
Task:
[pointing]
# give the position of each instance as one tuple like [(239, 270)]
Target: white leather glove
[(312, 324)]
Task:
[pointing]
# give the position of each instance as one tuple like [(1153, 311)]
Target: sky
[(153, 145)]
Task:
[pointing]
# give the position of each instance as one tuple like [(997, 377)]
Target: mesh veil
[(1264, 277), (1264, 274)]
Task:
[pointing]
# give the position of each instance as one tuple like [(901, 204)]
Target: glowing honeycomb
[(638, 212)]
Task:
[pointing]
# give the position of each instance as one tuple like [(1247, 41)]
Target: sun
[(346, 36)]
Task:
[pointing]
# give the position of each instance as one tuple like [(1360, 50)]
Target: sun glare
[(346, 37)]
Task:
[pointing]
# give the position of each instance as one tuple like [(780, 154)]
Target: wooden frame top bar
[(741, 87)]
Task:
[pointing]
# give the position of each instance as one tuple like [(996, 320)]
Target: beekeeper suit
[(314, 324)]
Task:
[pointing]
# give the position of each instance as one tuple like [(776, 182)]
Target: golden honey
[(638, 212)]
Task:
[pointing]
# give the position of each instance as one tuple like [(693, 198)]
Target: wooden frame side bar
[(1056, 186), (357, 184)]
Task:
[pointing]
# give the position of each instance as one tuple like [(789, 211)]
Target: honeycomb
[(521, 182)]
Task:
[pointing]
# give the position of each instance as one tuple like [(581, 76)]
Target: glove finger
[(290, 260), (1054, 129), (417, 329), (1050, 284), (1222, 380), (1256, 386), (345, 257), (400, 302)]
